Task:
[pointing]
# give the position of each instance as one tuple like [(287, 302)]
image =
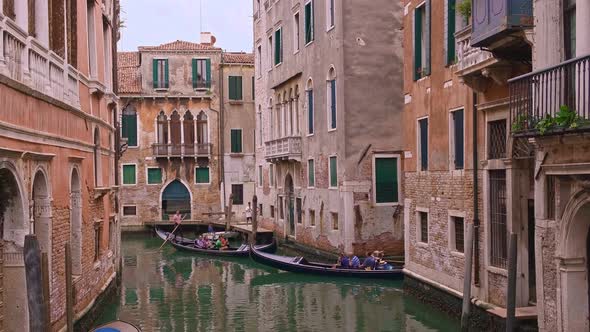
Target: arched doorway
[(42, 212), (14, 225), (290, 201), (76, 222), (176, 197)]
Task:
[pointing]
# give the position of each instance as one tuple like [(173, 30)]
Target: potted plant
[(463, 7)]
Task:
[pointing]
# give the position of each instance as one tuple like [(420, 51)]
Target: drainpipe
[(221, 129), (475, 195)]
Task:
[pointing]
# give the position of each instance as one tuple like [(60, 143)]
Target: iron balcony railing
[(286, 148), (181, 150), (554, 100)]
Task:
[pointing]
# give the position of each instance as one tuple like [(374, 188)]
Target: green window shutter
[(333, 106), (424, 144), (166, 74), (253, 89), (427, 36), (278, 47), (129, 174), (417, 43), (154, 175), (232, 87), (195, 74), (239, 95), (236, 141), (333, 172), (310, 126), (386, 182), (155, 73), (451, 26), (459, 153), (311, 173), (208, 73), (130, 129), (202, 175), (309, 22)]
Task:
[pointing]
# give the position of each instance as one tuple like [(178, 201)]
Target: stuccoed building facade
[(184, 108), (328, 122)]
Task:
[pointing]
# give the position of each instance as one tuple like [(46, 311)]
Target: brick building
[(187, 120), (57, 150), (329, 109)]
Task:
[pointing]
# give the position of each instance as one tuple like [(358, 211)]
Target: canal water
[(168, 290)]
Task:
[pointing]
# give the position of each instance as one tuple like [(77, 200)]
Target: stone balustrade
[(286, 148)]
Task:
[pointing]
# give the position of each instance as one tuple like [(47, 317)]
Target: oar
[(170, 235)]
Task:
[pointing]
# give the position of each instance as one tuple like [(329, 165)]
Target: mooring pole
[(254, 220), (33, 270), (46, 281), (511, 301), (467, 278), (228, 212), (69, 290)]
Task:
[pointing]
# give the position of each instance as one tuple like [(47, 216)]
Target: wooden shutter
[(239, 95), (386, 183), (333, 172), (424, 144), (195, 74), (166, 77), (308, 23), (427, 37), (451, 26), (253, 90), (333, 105), (208, 72), (155, 73), (202, 175), (154, 175), (310, 111), (278, 46), (236, 141), (417, 43), (459, 152), (232, 87), (129, 174), (311, 173), (130, 129)]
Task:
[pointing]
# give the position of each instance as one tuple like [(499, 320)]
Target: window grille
[(498, 219), (497, 139)]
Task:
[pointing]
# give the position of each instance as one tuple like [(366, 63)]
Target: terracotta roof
[(179, 45), (240, 57), (129, 74)]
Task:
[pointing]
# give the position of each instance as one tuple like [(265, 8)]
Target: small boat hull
[(117, 326), (292, 264)]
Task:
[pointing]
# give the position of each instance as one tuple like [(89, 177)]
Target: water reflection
[(167, 290)]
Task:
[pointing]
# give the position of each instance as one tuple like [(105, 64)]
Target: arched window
[(97, 159), (76, 221), (259, 126), (202, 128), (129, 125), (296, 109), (176, 197), (331, 98), (175, 134), (271, 123), (162, 128), (310, 107), (188, 124)]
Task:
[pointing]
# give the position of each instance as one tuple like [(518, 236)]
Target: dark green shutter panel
[(239, 88), (253, 89), (236, 141), (310, 111), (202, 175), (424, 144), (232, 88), (308, 23), (333, 106), (154, 175), (311, 173), (386, 180), (277, 47), (129, 174), (451, 32), (459, 152), (427, 37), (130, 129), (155, 73), (333, 172), (417, 43), (166, 76), (208, 74), (195, 74)]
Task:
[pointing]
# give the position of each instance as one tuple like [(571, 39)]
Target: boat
[(188, 245), (117, 326), (301, 265)]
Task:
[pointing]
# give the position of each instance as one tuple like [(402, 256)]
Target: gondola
[(301, 265), (187, 245), (117, 326)]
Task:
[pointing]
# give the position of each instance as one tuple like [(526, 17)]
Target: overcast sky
[(154, 22)]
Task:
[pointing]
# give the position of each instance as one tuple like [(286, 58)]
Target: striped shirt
[(355, 262)]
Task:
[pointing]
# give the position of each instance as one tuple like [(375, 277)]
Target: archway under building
[(176, 197), (290, 202)]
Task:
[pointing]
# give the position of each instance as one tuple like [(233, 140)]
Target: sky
[(155, 22)]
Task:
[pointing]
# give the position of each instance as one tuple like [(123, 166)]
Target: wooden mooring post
[(46, 281), (69, 290), (34, 281), (254, 220), (228, 212), (467, 278), (511, 301)]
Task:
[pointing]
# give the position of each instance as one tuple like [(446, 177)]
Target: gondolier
[(177, 219)]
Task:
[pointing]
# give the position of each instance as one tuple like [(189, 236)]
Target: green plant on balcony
[(566, 118), (464, 9), (545, 124), (519, 122)]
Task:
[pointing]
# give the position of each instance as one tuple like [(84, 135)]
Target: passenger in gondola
[(355, 262), (221, 244), (343, 262), (201, 242), (381, 263), (210, 229), (369, 263)]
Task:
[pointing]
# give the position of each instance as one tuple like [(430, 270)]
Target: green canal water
[(168, 290)]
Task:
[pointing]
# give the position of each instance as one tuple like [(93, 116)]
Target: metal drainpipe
[(475, 195), (221, 131)]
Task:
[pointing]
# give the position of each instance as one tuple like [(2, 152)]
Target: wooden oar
[(170, 234)]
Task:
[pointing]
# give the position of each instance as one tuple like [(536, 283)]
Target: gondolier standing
[(177, 219)]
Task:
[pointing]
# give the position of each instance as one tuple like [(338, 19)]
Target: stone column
[(547, 34), (21, 8), (582, 28), (42, 21)]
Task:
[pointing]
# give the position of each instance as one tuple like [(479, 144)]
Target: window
[(333, 172), (310, 115), (334, 220), (450, 29), (457, 226), (298, 204), (312, 217), (330, 17), (498, 219), (72, 34), (272, 175), (154, 175), (309, 22), (259, 61), (281, 209), (130, 210), (238, 191), (272, 211), (497, 139), (92, 63), (386, 186), (129, 175), (423, 143), (97, 236), (160, 73), (253, 89), (550, 183), (235, 87), (310, 173), (422, 41), (8, 9), (296, 36), (331, 89), (236, 141), (569, 28), (260, 210), (202, 175), (270, 52), (278, 47), (457, 139), (129, 125), (423, 219), (201, 73)]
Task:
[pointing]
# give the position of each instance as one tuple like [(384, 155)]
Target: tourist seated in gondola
[(381, 264), (343, 262), (221, 243), (370, 261), (201, 243)]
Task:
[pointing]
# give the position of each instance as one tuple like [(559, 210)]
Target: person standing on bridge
[(248, 213)]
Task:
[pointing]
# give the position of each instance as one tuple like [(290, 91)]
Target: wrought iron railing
[(284, 148), (552, 100), (181, 150)]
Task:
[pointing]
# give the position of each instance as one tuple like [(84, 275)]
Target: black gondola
[(188, 245), (300, 265)]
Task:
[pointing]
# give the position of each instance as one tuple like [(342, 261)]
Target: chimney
[(207, 38)]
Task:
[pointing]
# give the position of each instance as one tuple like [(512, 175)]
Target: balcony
[(191, 150), (552, 101), (28, 62), (471, 61), (494, 20), (286, 148)]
